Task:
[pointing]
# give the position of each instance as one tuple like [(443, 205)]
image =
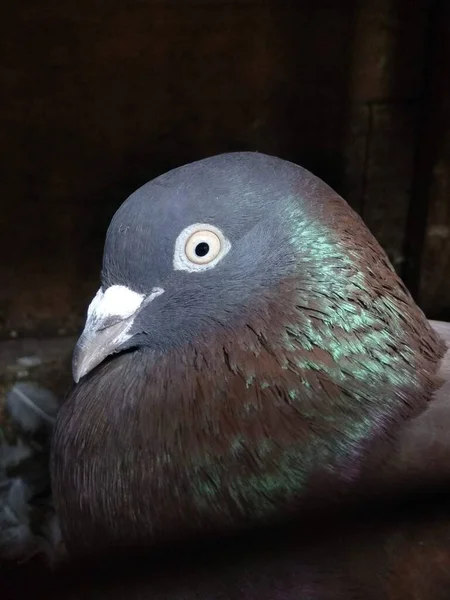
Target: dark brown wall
[(102, 96), (433, 174)]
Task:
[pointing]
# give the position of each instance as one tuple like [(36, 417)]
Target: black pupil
[(202, 249)]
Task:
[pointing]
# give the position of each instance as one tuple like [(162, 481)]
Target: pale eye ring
[(202, 247), (199, 247)]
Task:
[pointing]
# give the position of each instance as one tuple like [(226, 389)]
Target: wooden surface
[(100, 97)]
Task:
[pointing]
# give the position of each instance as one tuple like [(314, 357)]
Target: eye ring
[(199, 247), (202, 247)]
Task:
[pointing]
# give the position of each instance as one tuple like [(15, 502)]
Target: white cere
[(199, 247), (118, 301), (115, 301)]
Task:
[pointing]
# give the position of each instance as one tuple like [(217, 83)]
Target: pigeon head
[(188, 251), (249, 345), (200, 247)]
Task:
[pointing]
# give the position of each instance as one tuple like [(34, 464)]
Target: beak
[(110, 317)]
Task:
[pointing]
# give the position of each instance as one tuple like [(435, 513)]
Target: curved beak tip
[(80, 361), (77, 373), (95, 345)]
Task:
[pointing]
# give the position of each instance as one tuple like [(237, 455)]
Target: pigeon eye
[(199, 247), (202, 247)]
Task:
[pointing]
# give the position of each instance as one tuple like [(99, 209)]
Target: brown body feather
[(207, 439), (390, 552)]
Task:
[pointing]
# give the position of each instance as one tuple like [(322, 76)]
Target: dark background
[(101, 96)]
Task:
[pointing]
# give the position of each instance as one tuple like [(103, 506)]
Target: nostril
[(108, 322)]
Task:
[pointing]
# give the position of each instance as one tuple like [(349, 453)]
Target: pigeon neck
[(243, 426)]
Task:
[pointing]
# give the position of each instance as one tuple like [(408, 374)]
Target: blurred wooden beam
[(427, 271), (385, 94)]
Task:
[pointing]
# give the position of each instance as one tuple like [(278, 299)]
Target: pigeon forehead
[(232, 191)]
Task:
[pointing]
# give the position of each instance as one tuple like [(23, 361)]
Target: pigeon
[(259, 406)]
